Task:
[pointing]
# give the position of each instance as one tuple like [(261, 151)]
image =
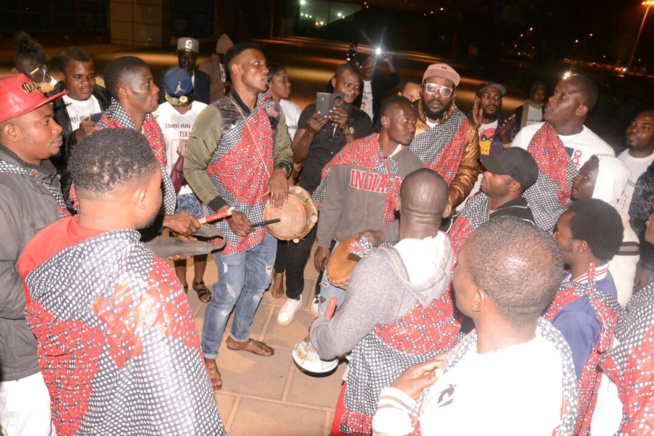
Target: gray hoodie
[(384, 287)]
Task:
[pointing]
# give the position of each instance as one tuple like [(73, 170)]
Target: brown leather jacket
[(469, 167)]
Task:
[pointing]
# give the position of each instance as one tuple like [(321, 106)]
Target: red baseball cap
[(19, 95)]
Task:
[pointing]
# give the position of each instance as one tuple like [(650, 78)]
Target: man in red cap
[(30, 199)]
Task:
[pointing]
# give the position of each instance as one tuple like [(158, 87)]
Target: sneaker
[(315, 304), (306, 357), (288, 310)]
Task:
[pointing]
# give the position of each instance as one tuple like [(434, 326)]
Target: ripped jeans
[(242, 280)]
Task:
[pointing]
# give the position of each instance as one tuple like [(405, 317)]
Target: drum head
[(297, 216), (341, 263)]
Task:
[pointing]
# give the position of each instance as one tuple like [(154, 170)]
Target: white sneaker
[(288, 310), (315, 304), (306, 357)]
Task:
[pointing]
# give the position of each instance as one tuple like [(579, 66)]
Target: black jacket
[(61, 117)]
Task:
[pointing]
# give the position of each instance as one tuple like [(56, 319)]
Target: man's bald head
[(424, 193)]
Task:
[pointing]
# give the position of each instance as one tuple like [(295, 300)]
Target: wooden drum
[(298, 216), (341, 263)]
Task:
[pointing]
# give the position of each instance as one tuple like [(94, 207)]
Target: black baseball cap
[(515, 162)]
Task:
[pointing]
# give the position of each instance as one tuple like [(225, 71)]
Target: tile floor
[(270, 395)]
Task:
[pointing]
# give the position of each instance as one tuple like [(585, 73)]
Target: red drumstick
[(216, 216), (331, 308)]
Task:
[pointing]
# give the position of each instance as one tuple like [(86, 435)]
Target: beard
[(491, 117), (436, 115)]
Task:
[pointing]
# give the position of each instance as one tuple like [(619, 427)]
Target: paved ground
[(269, 395)]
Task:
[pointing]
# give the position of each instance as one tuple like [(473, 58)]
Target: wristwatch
[(349, 131)]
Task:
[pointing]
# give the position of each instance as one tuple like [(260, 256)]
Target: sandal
[(214, 374), (254, 347), (204, 294)]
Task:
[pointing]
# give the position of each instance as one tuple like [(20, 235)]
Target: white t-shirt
[(292, 114), (637, 166), (176, 129), (534, 115), (486, 133), (79, 110), (580, 146), (366, 99), (513, 391)]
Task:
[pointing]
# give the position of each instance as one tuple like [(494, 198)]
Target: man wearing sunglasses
[(445, 140)]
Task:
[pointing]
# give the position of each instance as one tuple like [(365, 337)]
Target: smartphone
[(325, 101), (96, 117)]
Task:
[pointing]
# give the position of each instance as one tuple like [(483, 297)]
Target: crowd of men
[(506, 282)]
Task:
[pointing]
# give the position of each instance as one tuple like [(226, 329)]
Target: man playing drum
[(238, 153), (360, 185), (398, 310)]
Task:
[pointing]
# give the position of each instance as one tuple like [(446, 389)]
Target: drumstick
[(331, 308), (216, 216), (265, 223)]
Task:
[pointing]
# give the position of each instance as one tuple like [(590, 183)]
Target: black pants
[(293, 258)]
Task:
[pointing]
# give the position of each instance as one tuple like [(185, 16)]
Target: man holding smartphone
[(75, 112), (318, 139)]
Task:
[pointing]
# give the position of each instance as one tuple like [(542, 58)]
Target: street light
[(647, 3)]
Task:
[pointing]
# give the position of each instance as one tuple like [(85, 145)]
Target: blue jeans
[(327, 291), (242, 280)]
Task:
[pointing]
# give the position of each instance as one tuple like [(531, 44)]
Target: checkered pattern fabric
[(441, 147), (115, 117), (630, 364), (117, 345), (241, 166), (606, 309), (472, 216), (550, 195)]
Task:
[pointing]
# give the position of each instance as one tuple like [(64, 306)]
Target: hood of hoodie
[(424, 266)]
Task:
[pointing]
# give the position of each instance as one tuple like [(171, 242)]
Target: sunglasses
[(432, 88)]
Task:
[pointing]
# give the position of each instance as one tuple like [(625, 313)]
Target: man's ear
[(235, 69), (138, 198), (11, 132), (515, 186), (479, 300), (398, 203), (384, 121), (333, 82), (580, 246), (582, 110), (123, 92), (447, 212)]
